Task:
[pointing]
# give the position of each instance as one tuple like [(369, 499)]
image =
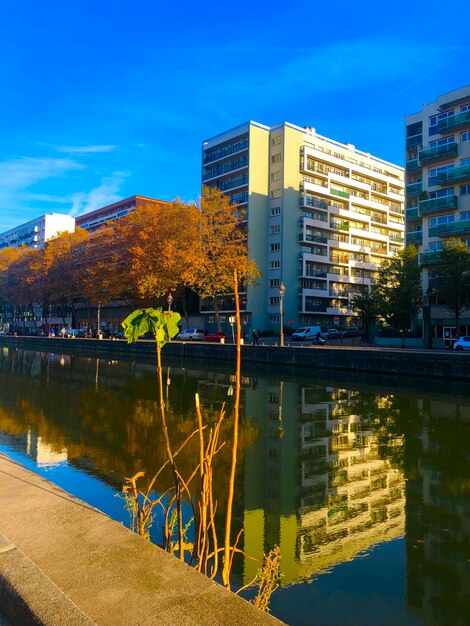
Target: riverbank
[(64, 562), (444, 364)]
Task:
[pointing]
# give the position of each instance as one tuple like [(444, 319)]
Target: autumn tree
[(222, 248), (63, 268), (164, 246), (398, 289), (453, 278)]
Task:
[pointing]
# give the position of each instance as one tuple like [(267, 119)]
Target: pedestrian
[(63, 332), (255, 337)]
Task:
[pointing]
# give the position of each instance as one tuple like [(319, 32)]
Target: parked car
[(330, 333), (462, 343), (217, 337), (351, 331), (306, 333), (191, 334)]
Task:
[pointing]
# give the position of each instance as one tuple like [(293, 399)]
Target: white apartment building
[(438, 195), (321, 217), (35, 233)]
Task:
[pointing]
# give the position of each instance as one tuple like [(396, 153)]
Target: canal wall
[(62, 562), (445, 364)]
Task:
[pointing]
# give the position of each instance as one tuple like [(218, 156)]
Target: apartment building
[(36, 232), (321, 216), (438, 193), (92, 220)]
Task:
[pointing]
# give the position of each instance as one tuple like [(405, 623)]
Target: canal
[(363, 482)]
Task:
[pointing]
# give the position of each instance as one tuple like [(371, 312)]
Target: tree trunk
[(217, 314)]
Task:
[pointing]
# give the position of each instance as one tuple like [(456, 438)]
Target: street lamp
[(282, 291), (427, 318), (169, 300)]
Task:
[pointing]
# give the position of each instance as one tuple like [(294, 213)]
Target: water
[(364, 483)]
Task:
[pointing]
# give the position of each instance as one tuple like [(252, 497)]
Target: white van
[(191, 334), (306, 333)]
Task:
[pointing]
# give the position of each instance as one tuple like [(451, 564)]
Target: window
[(275, 176), (435, 171), (276, 158), (274, 247), (464, 190), (273, 319), (434, 119), (275, 211), (441, 193), (465, 136), (465, 215), (274, 265), (275, 141), (275, 193), (274, 282), (274, 300), (276, 229), (441, 142), (464, 107), (435, 246), (465, 161), (440, 219)]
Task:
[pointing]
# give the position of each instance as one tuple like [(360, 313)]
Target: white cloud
[(106, 193), (86, 149), (22, 173)]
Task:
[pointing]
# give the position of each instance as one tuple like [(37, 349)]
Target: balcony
[(454, 121), (447, 203), (415, 238), (414, 188), (313, 238), (341, 194), (231, 184), (412, 165), (461, 227), (339, 226), (431, 257), (452, 175), (439, 152), (223, 152), (412, 213), (414, 140), (306, 200), (225, 169)]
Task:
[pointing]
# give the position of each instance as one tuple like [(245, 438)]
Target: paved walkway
[(63, 563)]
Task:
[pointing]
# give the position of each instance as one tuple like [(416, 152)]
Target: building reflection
[(324, 492)]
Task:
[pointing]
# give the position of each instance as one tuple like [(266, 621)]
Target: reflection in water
[(327, 471)]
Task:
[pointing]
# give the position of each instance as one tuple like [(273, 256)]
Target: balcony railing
[(306, 200), (414, 188), (415, 238), (412, 213), (337, 192), (431, 257), (461, 227), (447, 203), (314, 238), (454, 121), (231, 184), (339, 226), (414, 140), (223, 152), (412, 165), (224, 169), (434, 154), (457, 173)]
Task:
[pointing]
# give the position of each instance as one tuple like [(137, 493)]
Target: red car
[(217, 337)]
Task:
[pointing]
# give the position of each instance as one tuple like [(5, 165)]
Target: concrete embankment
[(395, 361), (63, 563)]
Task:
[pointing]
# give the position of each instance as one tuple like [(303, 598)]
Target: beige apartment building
[(438, 197), (321, 217)]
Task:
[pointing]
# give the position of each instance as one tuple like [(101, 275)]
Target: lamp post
[(169, 300), (427, 318), (282, 291)]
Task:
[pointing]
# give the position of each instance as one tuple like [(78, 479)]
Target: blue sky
[(104, 100)]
